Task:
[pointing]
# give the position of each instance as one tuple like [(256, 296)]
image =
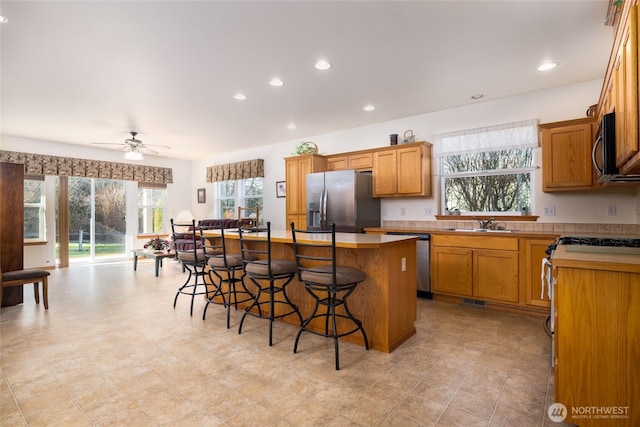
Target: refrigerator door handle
[(323, 210)]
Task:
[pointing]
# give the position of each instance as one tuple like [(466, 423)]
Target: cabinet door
[(409, 170), (627, 144), (566, 156), (293, 184), (361, 161), (338, 163), (534, 253), (451, 271), (495, 275), (385, 176), (300, 221)]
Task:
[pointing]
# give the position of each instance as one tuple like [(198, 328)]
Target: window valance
[(238, 170), (40, 164), (493, 138)]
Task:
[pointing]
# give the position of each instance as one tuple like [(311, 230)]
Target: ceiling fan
[(134, 146)]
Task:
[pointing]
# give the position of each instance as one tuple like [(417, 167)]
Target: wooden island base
[(385, 302)]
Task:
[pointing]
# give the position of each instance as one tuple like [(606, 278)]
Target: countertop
[(517, 233), (343, 240), (596, 260)]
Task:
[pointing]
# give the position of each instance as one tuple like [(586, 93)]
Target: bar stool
[(261, 267), (317, 269), (192, 259), (224, 267)]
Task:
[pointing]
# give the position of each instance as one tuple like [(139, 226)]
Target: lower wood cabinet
[(483, 268), (532, 252), (597, 345), (495, 275), (452, 270)]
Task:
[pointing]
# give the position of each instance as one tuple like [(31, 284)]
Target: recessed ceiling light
[(478, 96), (240, 96), (323, 65), (3, 19), (546, 66), (276, 82), (369, 107), (291, 126)]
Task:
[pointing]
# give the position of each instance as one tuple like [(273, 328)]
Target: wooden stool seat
[(22, 277)]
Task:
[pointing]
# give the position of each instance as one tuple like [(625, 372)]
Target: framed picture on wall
[(281, 189), (202, 195)]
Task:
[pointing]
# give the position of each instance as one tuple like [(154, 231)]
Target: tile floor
[(111, 350)]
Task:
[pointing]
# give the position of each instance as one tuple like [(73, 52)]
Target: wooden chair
[(22, 277), (253, 220)]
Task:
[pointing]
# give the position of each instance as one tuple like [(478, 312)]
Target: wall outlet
[(611, 210), (403, 211), (404, 264), (549, 211), (428, 211), (385, 211)]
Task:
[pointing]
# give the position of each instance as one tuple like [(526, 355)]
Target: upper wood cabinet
[(621, 89), (566, 155), (403, 171), (357, 161), (297, 168), (337, 163), (626, 106)]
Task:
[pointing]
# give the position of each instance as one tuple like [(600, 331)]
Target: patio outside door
[(97, 218)]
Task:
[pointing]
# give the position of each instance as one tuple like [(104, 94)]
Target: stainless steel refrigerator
[(343, 198)]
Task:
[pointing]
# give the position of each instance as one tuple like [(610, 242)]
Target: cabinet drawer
[(481, 241)]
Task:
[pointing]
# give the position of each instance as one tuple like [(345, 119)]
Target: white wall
[(564, 103)]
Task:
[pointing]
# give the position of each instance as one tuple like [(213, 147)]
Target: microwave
[(603, 154)]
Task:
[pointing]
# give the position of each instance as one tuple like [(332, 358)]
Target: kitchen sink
[(479, 230)]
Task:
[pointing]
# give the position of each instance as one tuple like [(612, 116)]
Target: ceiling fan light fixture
[(133, 154)]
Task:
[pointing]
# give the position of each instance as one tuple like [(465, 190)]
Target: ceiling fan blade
[(110, 143), (144, 147), (163, 147)]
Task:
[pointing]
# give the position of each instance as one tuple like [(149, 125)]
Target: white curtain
[(492, 138)]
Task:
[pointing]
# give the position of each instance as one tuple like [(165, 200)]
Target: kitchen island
[(597, 334), (385, 302)]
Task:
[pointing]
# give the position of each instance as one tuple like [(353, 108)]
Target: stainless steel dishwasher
[(422, 262)]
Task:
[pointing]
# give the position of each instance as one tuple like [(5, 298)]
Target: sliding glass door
[(97, 218)]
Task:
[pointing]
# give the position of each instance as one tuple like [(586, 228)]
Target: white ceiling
[(90, 71)]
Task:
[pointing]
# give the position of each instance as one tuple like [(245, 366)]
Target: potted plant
[(524, 210), (306, 147), (158, 244)]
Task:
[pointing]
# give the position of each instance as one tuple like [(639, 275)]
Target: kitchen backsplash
[(562, 228)]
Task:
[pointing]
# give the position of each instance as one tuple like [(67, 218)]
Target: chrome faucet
[(486, 225)]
